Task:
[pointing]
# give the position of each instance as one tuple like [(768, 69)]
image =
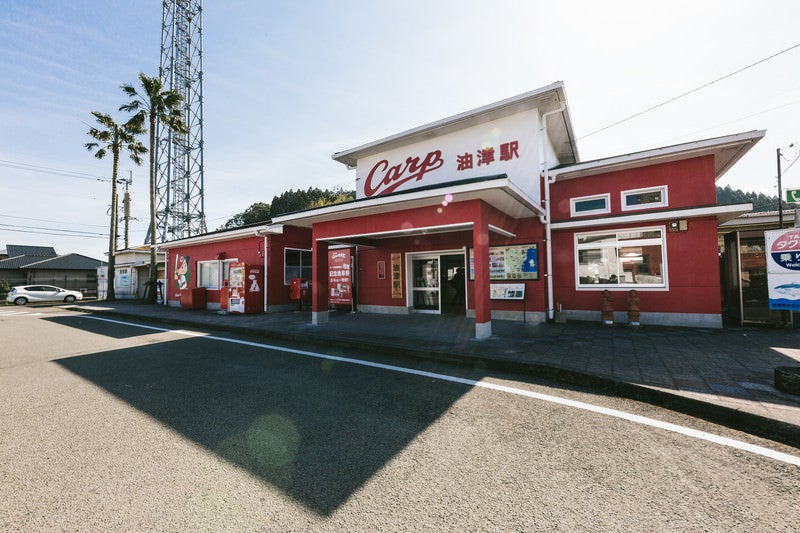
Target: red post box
[(295, 289)]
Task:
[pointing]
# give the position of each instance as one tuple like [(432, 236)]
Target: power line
[(72, 232), (54, 171), (640, 113), (54, 221), (52, 233)]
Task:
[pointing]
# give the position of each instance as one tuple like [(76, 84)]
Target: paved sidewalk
[(724, 375)]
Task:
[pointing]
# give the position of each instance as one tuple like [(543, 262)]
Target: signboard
[(504, 146), (340, 281), (397, 276), (507, 291), (793, 196), (510, 262), (783, 268)]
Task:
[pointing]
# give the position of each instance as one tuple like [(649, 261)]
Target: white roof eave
[(727, 151)]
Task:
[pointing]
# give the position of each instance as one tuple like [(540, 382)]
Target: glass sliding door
[(425, 289)]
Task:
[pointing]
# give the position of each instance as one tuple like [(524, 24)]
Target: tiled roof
[(15, 250), (17, 262), (66, 262)]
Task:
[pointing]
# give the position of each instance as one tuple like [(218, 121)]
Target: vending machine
[(245, 293)]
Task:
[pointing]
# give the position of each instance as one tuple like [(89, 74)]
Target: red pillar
[(480, 243), (319, 282)]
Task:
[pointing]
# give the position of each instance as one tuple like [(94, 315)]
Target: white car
[(41, 293)]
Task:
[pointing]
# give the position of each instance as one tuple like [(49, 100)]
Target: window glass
[(644, 198), (589, 205), (595, 204), (632, 258), (208, 274), (297, 264)]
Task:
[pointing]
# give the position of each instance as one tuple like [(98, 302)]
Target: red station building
[(491, 213)]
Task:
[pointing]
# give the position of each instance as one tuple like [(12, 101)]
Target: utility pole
[(126, 207)]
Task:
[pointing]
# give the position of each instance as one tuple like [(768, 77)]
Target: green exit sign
[(793, 196)]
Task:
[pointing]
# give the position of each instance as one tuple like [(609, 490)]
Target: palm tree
[(114, 138), (155, 105)]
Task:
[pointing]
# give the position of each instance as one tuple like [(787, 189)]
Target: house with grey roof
[(25, 265)]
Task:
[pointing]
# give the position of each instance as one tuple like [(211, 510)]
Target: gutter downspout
[(272, 229), (545, 219)]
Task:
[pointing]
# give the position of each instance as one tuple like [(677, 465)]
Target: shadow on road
[(316, 429)]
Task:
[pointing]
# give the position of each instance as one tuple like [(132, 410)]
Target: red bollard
[(633, 308), (607, 309)]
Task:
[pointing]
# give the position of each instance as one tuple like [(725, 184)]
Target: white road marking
[(682, 430), (12, 313)]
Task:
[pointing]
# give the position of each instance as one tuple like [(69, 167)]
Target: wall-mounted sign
[(397, 276), (504, 146), (507, 291), (793, 196), (783, 268), (509, 262)]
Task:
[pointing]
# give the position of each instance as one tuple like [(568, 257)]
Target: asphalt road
[(112, 426)]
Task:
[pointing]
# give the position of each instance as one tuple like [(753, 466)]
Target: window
[(644, 198), (208, 274), (296, 264), (632, 258), (590, 205)]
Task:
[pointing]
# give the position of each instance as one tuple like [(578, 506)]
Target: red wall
[(692, 269), (299, 238), (374, 291), (248, 249), (690, 183)]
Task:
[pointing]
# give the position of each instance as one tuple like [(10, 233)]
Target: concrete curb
[(757, 425)]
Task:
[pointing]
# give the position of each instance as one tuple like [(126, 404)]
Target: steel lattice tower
[(180, 204)]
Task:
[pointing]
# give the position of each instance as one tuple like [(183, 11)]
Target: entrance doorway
[(438, 283)]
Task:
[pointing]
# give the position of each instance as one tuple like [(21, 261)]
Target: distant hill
[(760, 201)]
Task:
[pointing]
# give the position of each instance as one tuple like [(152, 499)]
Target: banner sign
[(504, 146), (340, 279), (783, 268), (397, 276)]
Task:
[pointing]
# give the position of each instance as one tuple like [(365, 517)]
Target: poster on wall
[(512, 262), (397, 277), (182, 273), (783, 269), (340, 281)]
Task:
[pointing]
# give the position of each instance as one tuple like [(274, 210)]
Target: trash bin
[(193, 298)]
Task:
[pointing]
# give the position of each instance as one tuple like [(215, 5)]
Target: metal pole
[(780, 193)]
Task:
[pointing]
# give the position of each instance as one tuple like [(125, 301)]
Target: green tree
[(114, 138), (761, 202), (258, 212), (289, 202), (154, 105)]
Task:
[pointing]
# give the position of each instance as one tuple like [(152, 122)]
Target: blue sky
[(287, 84)]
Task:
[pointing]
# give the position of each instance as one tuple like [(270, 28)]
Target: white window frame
[(575, 213), (663, 286), (624, 194), (288, 280), (200, 265)]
